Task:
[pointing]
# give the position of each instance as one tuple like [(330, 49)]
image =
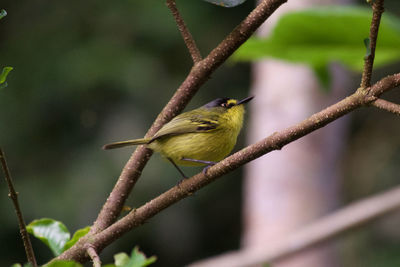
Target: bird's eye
[(227, 104)]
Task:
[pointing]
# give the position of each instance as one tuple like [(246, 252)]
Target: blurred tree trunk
[(288, 189)]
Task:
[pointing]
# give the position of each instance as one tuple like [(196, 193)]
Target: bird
[(200, 137)]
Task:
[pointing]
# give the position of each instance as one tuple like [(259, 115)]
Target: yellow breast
[(208, 146)]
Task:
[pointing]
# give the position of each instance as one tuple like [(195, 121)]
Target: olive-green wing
[(194, 121)]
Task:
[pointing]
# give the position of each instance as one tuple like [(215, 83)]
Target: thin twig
[(94, 256), (378, 9), (332, 225), (197, 76), (14, 197), (274, 142), (386, 105), (187, 37)]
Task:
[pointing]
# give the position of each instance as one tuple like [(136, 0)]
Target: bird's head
[(226, 103)]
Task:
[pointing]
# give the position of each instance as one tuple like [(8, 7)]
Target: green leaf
[(137, 259), (62, 263), (3, 13), (322, 73), (77, 235), (3, 76), (318, 36), (226, 3), (367, 43), (4, 73), (121, 259), (51, 232), (19, 265)]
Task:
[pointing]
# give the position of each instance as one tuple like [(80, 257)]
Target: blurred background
[(87, 73)]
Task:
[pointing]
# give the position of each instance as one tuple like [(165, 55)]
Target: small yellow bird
[(202, 136)]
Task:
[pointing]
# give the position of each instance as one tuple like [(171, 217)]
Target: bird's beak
[(247, 99)]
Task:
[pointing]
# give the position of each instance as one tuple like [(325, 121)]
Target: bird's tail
[(134, 142)]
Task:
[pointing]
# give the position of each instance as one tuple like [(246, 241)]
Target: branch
[(188, 186), (197, 76), (187, 37), (378, 9), (93, 255), (14, 197), (330, 226), (386, 105)]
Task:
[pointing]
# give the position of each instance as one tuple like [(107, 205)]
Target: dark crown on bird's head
[(226, 102), (220, 102)]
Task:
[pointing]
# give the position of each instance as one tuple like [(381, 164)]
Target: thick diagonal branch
[(197, 76)]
